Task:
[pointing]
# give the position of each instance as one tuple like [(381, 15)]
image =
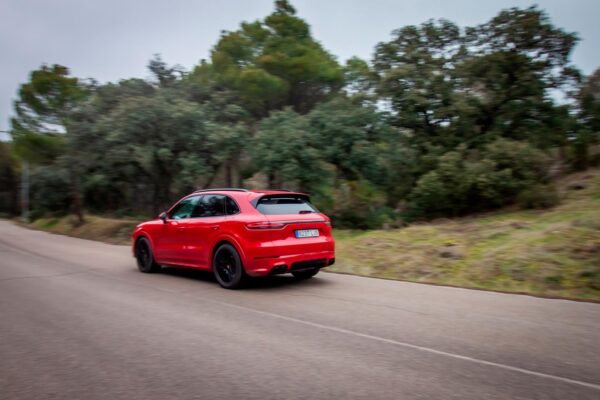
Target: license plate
[(306, 233)]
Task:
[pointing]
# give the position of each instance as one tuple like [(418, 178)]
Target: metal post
[(25, 192)]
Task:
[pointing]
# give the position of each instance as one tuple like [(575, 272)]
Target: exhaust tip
[(279, 269)]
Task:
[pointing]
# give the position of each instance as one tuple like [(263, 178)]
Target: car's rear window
[(284, 205)]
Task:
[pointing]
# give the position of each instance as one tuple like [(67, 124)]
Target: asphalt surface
[(78, 321)]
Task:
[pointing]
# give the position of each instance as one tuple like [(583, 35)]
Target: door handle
[(215, 227), (180, 229)]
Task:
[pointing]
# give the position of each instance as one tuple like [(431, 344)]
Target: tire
[(309, 273), (228, 268), (144, 256)]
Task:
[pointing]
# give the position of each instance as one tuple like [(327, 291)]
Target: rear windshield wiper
[(305, 212)]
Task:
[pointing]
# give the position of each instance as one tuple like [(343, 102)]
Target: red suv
[(236, 233)]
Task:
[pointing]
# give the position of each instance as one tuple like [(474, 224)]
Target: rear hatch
[(296, 225)]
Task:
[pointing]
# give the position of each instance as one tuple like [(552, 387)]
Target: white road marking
[(413, 346)]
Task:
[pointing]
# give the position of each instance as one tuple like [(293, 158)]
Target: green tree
[(165, 75), (275, 63), (516, 60), (157, 140), (443, 121), (168, 144), (588, 134), (346, 134), (495, 80), (360, 81), (416, 77), (589, 102), (42, 122), (283, 149)]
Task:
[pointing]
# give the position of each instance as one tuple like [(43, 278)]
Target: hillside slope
[(553, 252)]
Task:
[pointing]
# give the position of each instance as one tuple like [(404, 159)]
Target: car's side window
[(185, 208), (210, 205), (231, 206)]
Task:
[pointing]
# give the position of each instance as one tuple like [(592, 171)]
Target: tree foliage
[(467, 181), (41, 127), (589, 106), (275, 63), (284, 150), (442, 121)]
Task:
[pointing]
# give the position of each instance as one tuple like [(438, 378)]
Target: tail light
[(265, 225)]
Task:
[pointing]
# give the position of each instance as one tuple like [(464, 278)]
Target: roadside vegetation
[(100, 228), (553, 252)]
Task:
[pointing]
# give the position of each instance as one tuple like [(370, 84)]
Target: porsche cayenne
[(238, 233)]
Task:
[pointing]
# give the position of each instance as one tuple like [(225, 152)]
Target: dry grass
[(554, 252), (109, 230)]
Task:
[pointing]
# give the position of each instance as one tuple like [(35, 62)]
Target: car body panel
[(191, 242)]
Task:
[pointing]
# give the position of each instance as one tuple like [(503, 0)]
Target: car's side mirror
[(163, 216)]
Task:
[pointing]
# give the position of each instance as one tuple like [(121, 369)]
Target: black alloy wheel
[(227, 267), (144, 257)]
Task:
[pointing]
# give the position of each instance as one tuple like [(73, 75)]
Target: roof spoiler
[(222, 190), (302, 196)]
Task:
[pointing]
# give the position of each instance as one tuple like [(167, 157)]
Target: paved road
[(77, 321)]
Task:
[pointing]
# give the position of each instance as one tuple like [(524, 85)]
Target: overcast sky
[(114, 39)]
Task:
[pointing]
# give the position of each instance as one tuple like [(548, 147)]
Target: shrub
[(538, 196), (466, 181), (50, 191), (101, 194), (359, 204)]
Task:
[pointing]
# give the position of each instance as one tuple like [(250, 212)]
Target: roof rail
[(221, 190)]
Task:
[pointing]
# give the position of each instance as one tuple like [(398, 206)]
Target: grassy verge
[(554, 252), (109, 230)]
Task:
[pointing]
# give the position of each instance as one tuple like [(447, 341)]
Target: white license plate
[(306, 233)]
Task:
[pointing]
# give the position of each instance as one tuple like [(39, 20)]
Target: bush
[(359, 204), (467, 181), (101, 194), (50, 191), (538, 196), (523, 162)]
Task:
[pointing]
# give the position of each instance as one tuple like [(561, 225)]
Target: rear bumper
[(262, 266)]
